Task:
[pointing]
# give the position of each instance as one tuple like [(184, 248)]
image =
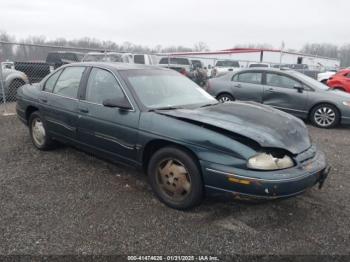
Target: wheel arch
[(322, 103), (30, 110), (225, 92), (17, 79), (156, 144)]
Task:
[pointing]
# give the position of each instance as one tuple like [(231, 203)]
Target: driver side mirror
[(299, 88), (120, 102)]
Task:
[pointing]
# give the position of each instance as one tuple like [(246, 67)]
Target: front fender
[(207, 145)]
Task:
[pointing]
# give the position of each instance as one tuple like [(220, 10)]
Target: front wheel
[(325, 116), (225, 98), (38, 132), (175, 178)]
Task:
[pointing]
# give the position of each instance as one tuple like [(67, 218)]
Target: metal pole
[(3, 91), (281, 54), (2, 82)]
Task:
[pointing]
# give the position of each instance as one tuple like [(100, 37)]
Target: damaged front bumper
[(267, 184)]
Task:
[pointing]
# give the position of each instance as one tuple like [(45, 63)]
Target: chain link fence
[(30, 63)]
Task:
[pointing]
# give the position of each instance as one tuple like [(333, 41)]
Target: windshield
[(159, 89), (227, 63), (310, 81)]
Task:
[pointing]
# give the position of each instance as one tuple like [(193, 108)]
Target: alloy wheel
[(325, 116), (224, 99)]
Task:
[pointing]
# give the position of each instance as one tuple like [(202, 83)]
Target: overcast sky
[(221, 23)]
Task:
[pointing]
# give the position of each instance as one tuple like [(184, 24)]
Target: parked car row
[(187, 142), (287, 90)]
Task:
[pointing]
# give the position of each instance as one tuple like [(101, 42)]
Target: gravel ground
[(67, 202)]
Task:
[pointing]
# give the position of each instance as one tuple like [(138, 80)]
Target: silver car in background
[(286, 90), (11, 80)]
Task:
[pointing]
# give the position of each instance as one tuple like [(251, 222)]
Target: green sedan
[(186, 141)]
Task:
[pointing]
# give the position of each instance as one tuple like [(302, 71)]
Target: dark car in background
[(37, 70), (286, 90), (186, 141)]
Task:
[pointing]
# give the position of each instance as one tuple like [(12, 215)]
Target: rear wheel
[(38, 132), (15, 84), (225, 98), (175, 178), (325, 116)]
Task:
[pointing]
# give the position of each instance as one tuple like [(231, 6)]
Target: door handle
[(44, 100), (238, 85), (271, 90), (84, 110)]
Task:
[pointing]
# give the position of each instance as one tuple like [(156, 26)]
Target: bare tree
[(200, 46)]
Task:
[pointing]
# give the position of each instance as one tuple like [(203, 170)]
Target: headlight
[(346, 103), (265, 161)]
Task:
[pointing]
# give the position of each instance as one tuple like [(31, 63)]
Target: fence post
[(2, 86), (2, 83)]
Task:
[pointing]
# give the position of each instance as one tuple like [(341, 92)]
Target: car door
[(59, 101), (247, 86), (108, 129), (281, 91)]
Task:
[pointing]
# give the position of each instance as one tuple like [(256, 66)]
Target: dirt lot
[(67, 202)]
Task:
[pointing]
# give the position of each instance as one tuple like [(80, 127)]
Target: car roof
[(266, 69), (117, 66)]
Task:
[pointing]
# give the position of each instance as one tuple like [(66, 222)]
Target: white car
[(145, 59), (323, 77), (265, 65), (224, 66), (108, 57)]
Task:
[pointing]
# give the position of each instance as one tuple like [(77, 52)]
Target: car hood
[(343, 96), (267, 126)]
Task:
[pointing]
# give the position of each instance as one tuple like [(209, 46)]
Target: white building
[(271, 56)]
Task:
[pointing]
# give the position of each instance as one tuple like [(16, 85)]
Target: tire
[(15, 84), (175, 178), (325, 116), (223, 98), (37, 126)]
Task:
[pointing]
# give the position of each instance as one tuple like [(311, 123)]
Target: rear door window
[(68, 83), (250, 77)]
